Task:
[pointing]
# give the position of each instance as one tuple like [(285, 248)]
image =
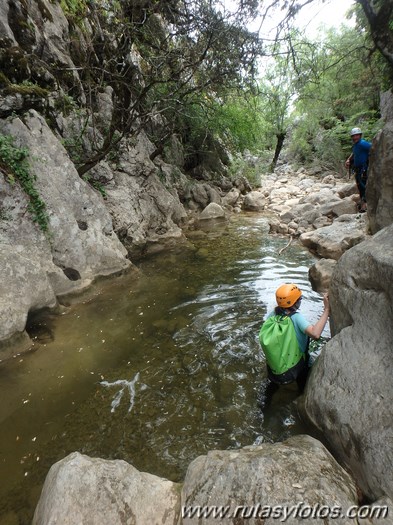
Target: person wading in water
[(284, 338)]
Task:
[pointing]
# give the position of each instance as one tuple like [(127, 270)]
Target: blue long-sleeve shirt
[(361, 151)]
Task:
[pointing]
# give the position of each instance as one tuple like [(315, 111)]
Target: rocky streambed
[(348, 397), (339, 401)]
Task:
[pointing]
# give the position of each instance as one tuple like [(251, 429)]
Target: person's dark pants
[(299, 373), (361, 181)]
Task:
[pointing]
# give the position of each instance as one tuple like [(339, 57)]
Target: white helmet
[(356, 131)]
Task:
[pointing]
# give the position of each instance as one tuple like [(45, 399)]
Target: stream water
[(155, 367)]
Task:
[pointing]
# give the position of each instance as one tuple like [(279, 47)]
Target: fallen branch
[(286, 246)]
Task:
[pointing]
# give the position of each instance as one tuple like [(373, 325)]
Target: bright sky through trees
[(328, 14)]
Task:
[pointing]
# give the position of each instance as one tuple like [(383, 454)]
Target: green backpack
[(279, 343)]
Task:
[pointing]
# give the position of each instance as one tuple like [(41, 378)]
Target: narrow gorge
[(140, 247)]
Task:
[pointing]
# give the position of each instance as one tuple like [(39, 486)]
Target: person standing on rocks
[(284, 338), (358, 162)]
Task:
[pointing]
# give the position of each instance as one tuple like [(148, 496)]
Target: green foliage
[(13, 162), (251, 169), (337, 84), (74, 9), (239, 122), (66, 104), (208, 125), (74, 147), (75, 141), (26, 88)]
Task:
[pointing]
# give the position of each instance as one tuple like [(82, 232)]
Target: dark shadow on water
[(41, 326)]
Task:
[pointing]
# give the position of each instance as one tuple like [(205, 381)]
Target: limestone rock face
[(40, 31), (79, 489), (144, 212), (82, 244), (297, 470), (379, 192), (332, 241), (349, 396)]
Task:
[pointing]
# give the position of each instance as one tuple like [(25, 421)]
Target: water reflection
[(155, 368)]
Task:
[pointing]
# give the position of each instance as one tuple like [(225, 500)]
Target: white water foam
[(125, 385)]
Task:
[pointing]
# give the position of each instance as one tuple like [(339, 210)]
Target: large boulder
[(79, 490), (254, 201), (349, 396), (320, 274), (212, 211), (297, 472), (379, 192), (81, 245), (346, 190), (332, 241), (231, 198), (203, 194)]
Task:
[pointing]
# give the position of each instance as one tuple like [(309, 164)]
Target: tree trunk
[(280, 142), (379, 21)]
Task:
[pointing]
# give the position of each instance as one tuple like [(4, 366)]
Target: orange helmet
[(287, 295)]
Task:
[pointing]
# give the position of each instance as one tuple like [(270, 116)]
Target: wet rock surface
[(349, 394)]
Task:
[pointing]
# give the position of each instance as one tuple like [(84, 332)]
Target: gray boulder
[(296, 212), (346, 190), (231, 198), (322, 221), (83, 490), (254, 201), (212, 211), (299, 471), (323, 196), (336, 208), (320, 274), (349, 396), (332, 241), (203, 194)]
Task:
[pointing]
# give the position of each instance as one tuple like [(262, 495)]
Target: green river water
[(154, 367)]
